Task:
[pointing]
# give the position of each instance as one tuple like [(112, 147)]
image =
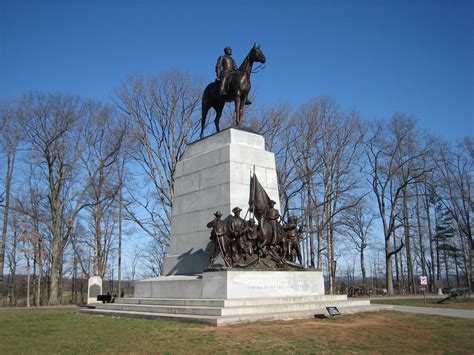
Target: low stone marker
[(94, 288)]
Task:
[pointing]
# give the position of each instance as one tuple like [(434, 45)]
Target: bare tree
[(454, 188), (389, 174), (161, 112), (59, 131), (326, 151), (357, 222), (99, 160), (52, 132), (11, 134)]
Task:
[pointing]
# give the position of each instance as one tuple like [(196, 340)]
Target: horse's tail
[(205, 106), (206, 94)]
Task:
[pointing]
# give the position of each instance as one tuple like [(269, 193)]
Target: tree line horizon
[(385, 198)]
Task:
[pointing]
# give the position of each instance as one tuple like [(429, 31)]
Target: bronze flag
[(258, 200)]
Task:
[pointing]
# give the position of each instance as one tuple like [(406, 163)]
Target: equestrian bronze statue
[(231, 84)]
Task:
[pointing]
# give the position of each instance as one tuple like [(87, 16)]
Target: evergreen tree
[(444, 236)]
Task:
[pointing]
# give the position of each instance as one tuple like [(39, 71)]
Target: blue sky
[(375, 56), (378, 57)]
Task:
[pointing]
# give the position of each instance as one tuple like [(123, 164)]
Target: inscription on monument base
[(248, 284)]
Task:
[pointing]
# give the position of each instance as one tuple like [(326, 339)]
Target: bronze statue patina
[(231, 84), (236, 231), (291, 229), (270, 245), (224, 68), (219, 240), (273, 216)]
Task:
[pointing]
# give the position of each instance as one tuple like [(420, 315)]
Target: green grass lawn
[(430, 302), (67, 331)]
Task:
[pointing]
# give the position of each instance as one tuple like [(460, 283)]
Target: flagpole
[(251, 183)]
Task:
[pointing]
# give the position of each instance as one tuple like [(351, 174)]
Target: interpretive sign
[(423, 283), (333, 311)]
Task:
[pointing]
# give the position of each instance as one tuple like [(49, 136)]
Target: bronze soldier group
[(243, 243)]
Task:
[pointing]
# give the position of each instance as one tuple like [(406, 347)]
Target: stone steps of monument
[(246, 318), (232, 310), (230, 302), (212, 320), (298, 315), (243, 318)]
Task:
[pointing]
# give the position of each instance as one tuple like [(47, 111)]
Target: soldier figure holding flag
[(272, 215)]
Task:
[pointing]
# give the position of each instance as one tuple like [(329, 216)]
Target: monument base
[(233, 285), (226, 297)]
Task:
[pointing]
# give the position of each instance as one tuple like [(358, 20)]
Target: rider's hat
[(236, 209), (218, 214), (228, 50)]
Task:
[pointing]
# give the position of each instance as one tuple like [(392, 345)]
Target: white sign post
[(424, 283)]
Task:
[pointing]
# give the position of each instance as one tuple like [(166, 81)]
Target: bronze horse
[(265, 236), (237, 91)]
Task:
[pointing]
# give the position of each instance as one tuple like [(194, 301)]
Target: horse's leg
[(237, 110), (285, 248), (204, 111), (243, 101), (218, 108)]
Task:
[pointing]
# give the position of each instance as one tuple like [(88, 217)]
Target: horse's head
[(257, 54)]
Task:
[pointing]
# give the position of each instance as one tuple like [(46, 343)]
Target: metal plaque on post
[(333, 311)]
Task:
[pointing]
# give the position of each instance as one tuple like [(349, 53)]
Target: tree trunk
[(362, 269), (311, 229), (332, 277), (420, 234), (330, 264), (388, 267), (430, 235), (319, 258), (119, 266), (456, 266), (28, 283), (472, 264), (3, 242), (397, 269), (40, 272), (464, 256), (438, 263), (446, 269), (11, 280), (409, 255), (55, 293)]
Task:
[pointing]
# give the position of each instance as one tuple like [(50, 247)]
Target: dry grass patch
[(66, 331)]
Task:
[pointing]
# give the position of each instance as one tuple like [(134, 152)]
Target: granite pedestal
[(214, 174)]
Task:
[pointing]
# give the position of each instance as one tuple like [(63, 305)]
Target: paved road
[(458, 313)]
